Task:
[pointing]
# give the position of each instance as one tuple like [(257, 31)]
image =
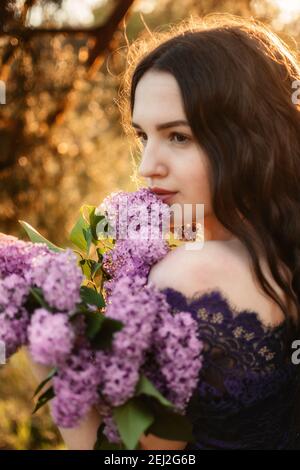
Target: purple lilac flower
[(13, 291), (134, 304), (14, 318), (137, 251), (125, 306), (176, 345), (154, 342), (110, 430), (16, 256), (130, 258), (50, 336), (75, 388), (119, 377), (13, 331), (132, 213), (59, 276)]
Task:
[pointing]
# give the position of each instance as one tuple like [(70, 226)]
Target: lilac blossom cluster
[(76, 387), (52, 338), (134, 305), (49, 333), (176, 344), (16, 256), (145, 220), (154, 342), (14, 318), (163, 347), (59, 277), (15, 282)]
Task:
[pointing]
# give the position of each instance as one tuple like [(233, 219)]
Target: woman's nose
[(150, 171), (151, 165)]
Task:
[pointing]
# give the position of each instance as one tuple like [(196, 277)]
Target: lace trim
[(247, 385), (215, 296)]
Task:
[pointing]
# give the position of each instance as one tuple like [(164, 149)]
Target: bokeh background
[(61, 139)]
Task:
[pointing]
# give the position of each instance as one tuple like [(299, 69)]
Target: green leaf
[(95, 268), (91, 296), (43, 383), (36, 237), (132, 419), (37, 294), (89, 267), (146, 387), (85, 268), (88, 238), (94, 323), (102, 443), (103, 339), (168, 424), (77, 233), (94, 219), (100, 255), (44, 398), (86, 210), (35, 300)]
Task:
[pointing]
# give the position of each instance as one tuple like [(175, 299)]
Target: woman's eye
[(176, 136), (182, 139), (140, 135)]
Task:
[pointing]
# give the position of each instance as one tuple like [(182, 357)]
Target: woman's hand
[(152, 442)]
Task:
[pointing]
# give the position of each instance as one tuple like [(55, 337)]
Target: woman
[(236, 150)]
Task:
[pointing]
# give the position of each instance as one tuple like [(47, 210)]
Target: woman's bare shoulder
[(225, 266), (186, 269)]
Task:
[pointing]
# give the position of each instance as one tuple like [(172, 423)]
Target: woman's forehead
[(158, 97)]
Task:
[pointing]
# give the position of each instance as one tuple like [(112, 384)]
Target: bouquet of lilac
[(44, 305), (109, 337)]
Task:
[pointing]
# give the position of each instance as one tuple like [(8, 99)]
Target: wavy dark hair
[(236, 80)]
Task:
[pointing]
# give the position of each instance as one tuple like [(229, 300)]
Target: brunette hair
[(236, 80)]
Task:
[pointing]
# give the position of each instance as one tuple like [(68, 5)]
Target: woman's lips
[(165, 197)]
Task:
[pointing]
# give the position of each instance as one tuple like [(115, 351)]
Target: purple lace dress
[(248, 392)]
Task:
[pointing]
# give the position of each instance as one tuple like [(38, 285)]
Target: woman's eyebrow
[(165, 125)]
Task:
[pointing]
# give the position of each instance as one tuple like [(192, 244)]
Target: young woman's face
[(171, 157)]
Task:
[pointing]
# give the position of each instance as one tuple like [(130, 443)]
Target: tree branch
[(112, 23)]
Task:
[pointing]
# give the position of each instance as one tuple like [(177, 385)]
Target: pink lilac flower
[(13, 331), (153, 341), (14, 318), (111, 430), (59, 277), (130, 258), (13, 291), (16, 256), (150, 334), (135, 214), (50, 336), (139, 249), (75, 387), (176, 344), (134, 304)]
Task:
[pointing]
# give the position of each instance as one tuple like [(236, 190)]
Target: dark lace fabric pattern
[(248, 389)]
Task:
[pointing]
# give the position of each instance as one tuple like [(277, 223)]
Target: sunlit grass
[(19, 429)]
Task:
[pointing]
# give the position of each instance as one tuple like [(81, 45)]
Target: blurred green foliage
[(19, 429)]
